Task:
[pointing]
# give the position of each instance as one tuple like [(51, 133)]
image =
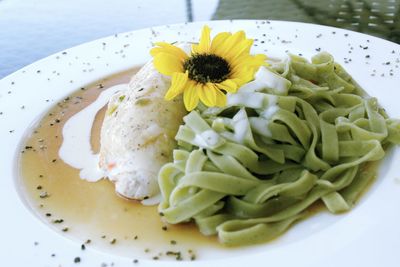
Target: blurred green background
[(379, 18)]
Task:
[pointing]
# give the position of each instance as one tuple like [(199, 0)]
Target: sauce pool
[(91, 211)]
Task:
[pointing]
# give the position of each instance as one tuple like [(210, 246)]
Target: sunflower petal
[(239, 81), (244, 75), (190, 96), (163, 47), (167, 64), (178, 83), (218, 40), (207, 94), (230, 43), (259, 60), (221, 98), (204, 46), (228, 86), (247, 61), (240, 49)]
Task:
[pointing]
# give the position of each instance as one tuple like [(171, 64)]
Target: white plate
[(369, 235)]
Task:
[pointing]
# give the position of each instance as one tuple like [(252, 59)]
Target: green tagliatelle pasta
[(246, 172)]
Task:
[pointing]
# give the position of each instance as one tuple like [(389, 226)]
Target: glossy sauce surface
[(92, 211)]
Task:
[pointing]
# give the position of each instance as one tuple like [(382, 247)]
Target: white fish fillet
[(137, 135)]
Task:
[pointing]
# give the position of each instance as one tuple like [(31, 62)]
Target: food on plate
[(137, 135), (242, 145)]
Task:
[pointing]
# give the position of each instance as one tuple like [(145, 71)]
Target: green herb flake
[(142, 101), (111, 110)]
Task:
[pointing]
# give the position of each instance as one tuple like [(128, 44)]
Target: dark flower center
[(204, 68)]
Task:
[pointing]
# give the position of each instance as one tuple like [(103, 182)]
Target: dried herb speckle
[(44, 195)]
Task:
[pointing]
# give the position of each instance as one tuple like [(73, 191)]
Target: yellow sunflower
[(214, 67)]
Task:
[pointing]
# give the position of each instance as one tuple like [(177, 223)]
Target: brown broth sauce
[(93, 211)]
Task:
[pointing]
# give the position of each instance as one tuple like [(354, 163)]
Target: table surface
[(33, 29)]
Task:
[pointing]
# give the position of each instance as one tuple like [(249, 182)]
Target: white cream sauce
[(265, 109), (246, 99), (206, 139), (266, 79), (271, 109), (241, 126), (76, 149)]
